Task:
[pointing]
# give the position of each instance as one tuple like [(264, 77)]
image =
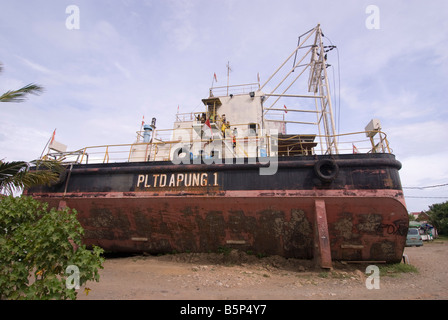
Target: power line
[(427, 187)]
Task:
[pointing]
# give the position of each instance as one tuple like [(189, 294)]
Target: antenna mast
[(228, 76), (317, 89)]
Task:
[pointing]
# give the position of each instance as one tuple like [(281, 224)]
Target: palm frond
[(10, 175), (8, 169), (20, 94), (18, 175)]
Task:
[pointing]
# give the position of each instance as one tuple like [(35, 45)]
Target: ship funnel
[(147, 134)]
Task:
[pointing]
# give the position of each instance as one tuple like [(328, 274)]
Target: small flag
[(207, 123), (143, 120), (355, 150), (286, 110), (52, 137), (214, 76), (177, 108)]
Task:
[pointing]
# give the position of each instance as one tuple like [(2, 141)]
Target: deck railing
[(358, 142)]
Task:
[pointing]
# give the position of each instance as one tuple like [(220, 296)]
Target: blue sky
[(132, 58)]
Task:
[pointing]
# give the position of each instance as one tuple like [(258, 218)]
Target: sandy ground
[(238, 276)]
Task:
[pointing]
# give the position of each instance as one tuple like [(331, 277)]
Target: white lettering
[(373, 21), (187, 181), (177, 180), (216, 178), (73, 20), (172, 181), (180, 178), (203, 179), (156, 176), (140, 179), (162, 180), (273, 159), (373, 280), (196, 179), (197, 310), (146, 182), (72, 281)]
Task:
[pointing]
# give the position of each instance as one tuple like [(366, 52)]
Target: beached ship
[(232, 175)]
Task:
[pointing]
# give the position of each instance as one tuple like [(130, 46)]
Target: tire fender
[(326, 170), (61, 178)]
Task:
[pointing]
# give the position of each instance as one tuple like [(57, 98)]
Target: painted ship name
[(177, 180)]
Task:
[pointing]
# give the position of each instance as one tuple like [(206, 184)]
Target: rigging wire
[(332, 46)]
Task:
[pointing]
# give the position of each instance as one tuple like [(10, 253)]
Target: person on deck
[(223, 129), (235, 134)]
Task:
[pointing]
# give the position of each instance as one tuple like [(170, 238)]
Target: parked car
[(414, 238)]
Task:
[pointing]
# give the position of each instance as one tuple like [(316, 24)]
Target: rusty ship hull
[(340, 207)]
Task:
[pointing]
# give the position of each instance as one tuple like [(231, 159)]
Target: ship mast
[(228, 75), (317, 87)]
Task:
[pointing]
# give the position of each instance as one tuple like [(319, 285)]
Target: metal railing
[(358, 142), (234, 89)]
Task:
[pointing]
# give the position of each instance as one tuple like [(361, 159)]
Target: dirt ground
[(239, 276)]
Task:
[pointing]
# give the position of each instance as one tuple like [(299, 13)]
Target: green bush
[(36, 247), (438, 214)]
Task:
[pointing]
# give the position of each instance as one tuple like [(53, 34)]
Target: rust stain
[(369, 223), (280, 222), (344, 226)]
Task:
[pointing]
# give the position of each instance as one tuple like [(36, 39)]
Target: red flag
[(355, 150), (207, 123), (52, 137), (214, 76), (286, 110), (143, 120)]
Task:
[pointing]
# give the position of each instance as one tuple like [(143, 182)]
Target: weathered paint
[(359, 227), (322, 254), (360, 215)]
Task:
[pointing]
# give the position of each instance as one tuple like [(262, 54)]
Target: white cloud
[(123, 70), (425, 171), (36, 66), (425, 138), (178, 26)]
